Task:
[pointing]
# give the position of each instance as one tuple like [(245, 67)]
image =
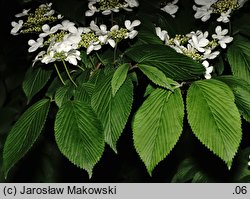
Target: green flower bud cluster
[(182, 39), (193, 54), (110, 4), (57, 37), (37, 19), (224, 5), (212, 44), (118, 34), (87, 39)]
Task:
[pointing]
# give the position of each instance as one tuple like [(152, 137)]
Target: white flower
[(67, 25), (207, 3), (224, 17), (209, 69), (16, 27), (23, 13), (242, 2), (131, 35), (199, 41), (102, 30), (92, 9), (171, 8), (34, 45), (38, 57), (73, 56), (48, 58), (162, 34), (132, 3), (221, 36), (59, 16), (203, 12), (93, 46), (47, 30), (130, 26), (208, 54)]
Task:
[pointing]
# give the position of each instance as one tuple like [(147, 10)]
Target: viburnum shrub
[(190, 59)]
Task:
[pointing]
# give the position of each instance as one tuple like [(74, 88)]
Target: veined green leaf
[(79, 134), (119, 77), (157, 126), (239, 59), (113, 111), (241, 90), (84, 92), (35, 80), (214, 117), (63, 94), (157, 77), (174, 65), (24, 133)]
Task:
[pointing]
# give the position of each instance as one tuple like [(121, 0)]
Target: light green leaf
[(214, 118), (35, 79), (113, 111), (241, 90), (24, 133), (174, 65), (119, 77), (149, 89), (239, 59), (79, 134), (157, 126), (63, 95), (157, 77)]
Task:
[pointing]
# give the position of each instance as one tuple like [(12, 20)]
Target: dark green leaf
[(174, 65), (119, 77), (24, 133), (35, 80), (113, 111), (239, 59), (79, 134), (241, 90), (157, 77)]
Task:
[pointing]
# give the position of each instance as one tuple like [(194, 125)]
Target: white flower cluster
[(106, 7), (44, 13), (249, 161), (171, 8), (64, 40), (204, 9), (197, 45)]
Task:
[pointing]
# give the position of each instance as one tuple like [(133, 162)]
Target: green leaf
[(214, 117), (24, 133), (242, 171), (241, 90), (35, 80), (113, 111), (157, 126), (63, 95), (157, 77), (84, 92), (190, 170), (79, 134), (239, 59), (119, 77), (149, 89), (174, 65)]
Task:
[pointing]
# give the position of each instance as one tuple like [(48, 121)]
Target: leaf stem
[(67, 71), (58, 73)]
